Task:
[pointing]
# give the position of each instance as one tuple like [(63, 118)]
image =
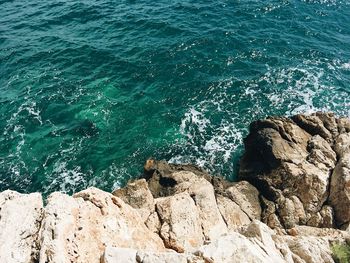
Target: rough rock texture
[(20, 217), (340, 182), (78, 228), (291, 205), (138, 196), (129, 255), (301, 168), (180, 229)]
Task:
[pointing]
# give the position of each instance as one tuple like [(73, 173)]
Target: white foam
[(214, 128)]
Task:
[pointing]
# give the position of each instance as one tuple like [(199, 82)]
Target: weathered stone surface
[(77, 229), (291, 162), (128, 255), (309, 249), (296, 180), (236, 247), (233, 215), (138, 195), (119, 255), (340, 182), (203, 195), (246, 196), (165, 257), (20, 218), (181, 226)]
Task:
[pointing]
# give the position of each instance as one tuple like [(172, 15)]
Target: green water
[(90, 89)]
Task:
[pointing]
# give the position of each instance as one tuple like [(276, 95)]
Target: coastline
[(291, 204)]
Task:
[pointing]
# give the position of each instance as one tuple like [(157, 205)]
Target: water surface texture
[(90, 89)]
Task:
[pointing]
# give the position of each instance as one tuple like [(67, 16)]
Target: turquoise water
[(90, 89)]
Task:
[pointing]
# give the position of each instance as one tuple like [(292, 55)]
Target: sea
[(90, 89)]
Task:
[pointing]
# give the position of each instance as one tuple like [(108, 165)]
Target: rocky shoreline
[(291, 204)]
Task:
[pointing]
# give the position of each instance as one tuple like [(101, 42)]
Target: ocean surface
[(90, 89)]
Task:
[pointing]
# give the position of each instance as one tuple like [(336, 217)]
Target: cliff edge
[(291, 204)]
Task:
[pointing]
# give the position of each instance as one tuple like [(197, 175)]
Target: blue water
[(90, 89)]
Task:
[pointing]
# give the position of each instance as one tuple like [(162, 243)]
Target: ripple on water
[(89, 90)]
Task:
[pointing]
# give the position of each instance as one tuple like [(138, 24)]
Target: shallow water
[(90, 89)]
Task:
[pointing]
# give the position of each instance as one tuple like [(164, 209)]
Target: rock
[(291, 162), (246, 196), (119, 255), (314, 125), (77, 229), (309, 249), (153, 222), (137, 195), (165, 257), (238, 248), (20, 218), (127, 255), (268, 214), (203, 195), (181, 226), (261, 234), (233, 215), (294, 177), (340, 182)]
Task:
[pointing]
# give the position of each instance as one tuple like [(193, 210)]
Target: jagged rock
[(291, 162), (261, 234), (309, 249), (128, 255), (340, 182), (119, 255), (77, 229), (203, 195), (20, 218), (181, 226), (138, 195), (295, 178), (153, 222), (246, 197), (257, 246), (233, 215), (165, 257)]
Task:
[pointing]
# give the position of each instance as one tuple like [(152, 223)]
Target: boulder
[(233, 215), (128, 255), (246, 196), (78, 228), (20, 219), (340, 182), (181, 226), (291, 161), (137, 195), (203, 195), (309, 249)]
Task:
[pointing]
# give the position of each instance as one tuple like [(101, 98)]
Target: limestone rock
[(233, 215), (309, 249), (246, 196), (137, 195), (292, 162), (203, 195), (340, 182), (128, 255), (181, 226), (119, 255), (77, 229), (20, 218), (236, 248)]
